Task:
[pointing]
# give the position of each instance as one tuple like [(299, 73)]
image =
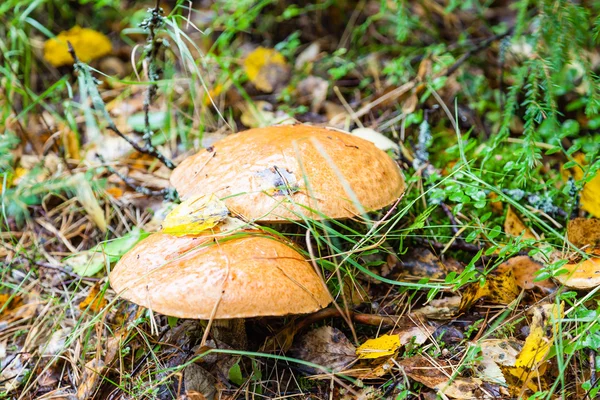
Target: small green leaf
[(235, 374)]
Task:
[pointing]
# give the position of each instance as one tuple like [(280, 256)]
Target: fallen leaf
[(260, 114), (87, 198), (195, 216), (266, 69), (9, 302), (543, 329), (584, 232), (584, 274), (378, 139), (500, 287), (89, 263), (496, 353), (443, 308), (325, 346), (590, 196), (438, 375), (513, 226), (383, 346), (524, 269), (308, 55), (312, 91), (87, 43), (422, 263), (95, 300)]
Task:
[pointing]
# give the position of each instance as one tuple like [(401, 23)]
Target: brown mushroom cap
[(253, 170), (249, 275)]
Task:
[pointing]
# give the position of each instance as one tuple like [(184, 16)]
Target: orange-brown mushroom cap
[(281, 172), (248, 275)]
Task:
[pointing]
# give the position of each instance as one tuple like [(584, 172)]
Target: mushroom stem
[(231, 331)]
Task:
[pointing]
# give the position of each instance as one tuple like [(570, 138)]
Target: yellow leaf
[(383, 346), (542, 331), (266, 69), (195, 215), (95, 300), (500, 288), (590, 197), (513, 226), (87, 43)]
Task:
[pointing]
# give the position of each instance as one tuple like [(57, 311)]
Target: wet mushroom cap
[(280, 172), (243, 276)]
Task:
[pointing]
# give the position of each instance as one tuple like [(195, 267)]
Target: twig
[(481, 46), (168, 193), (91, 84)]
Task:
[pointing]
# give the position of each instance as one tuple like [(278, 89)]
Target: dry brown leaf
[(444, 308), (524, 269), (584, 232), (438, 376), (312, 91), (513, 226), (95, 300), (422, 263), (325, 346), (496, 353)]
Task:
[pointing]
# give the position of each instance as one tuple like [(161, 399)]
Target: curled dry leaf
[(325, 346), (266, 69), (513, 226), (87, 43)]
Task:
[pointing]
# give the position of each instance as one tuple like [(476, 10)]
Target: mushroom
[(241, 275), (285, 172)]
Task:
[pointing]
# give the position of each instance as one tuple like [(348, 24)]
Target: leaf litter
[(70, 218)]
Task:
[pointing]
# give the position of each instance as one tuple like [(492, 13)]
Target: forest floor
[(481, 281)]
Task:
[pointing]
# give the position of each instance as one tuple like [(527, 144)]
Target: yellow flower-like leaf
[(195, 215), (266, 69), (87, 43), (383, 346)]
